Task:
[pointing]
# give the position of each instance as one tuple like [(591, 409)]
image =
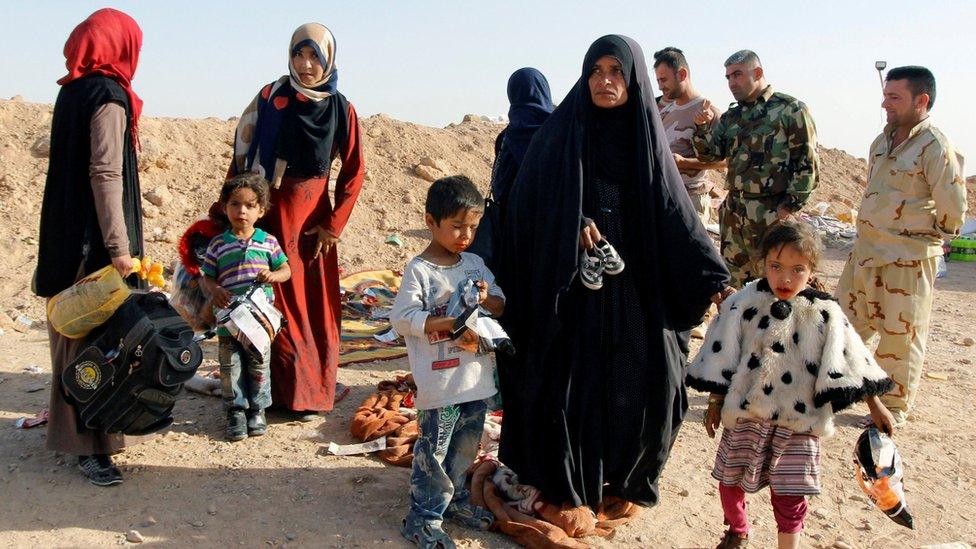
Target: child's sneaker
[(613, 264), (470, 515), (236, 425), (732, 540), (426, 534), (257, 424), (591, 270)]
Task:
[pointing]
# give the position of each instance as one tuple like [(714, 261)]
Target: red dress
[(305, 355)]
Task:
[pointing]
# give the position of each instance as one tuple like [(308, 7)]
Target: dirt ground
[(188, 486)]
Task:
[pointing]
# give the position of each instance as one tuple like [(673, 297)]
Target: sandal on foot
[(470, 515), (426, 534)]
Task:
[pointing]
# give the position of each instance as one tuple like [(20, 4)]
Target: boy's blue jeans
[(447, 446), (245, 382)]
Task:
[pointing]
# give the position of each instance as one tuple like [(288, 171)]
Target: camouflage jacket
[(770, 146), (915, 193)]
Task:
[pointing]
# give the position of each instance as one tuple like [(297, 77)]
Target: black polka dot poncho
[(792, 362)]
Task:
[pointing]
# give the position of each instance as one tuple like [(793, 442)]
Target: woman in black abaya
[(594, 397), (530, 105)]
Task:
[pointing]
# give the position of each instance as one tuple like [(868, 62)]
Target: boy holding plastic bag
[(454, 377), (235, 261)]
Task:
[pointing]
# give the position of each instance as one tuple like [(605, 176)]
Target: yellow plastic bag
[(88, 303)]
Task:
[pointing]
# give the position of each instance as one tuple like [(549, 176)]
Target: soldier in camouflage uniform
[(915, 194), (769, 141)]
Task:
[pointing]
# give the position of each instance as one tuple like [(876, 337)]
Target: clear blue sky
[(432, 62)]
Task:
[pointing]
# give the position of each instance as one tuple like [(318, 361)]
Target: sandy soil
[(188, 486)]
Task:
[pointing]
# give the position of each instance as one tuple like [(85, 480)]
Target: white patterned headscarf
[(319, 38)]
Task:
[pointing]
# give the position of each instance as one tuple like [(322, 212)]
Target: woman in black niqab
[(594, 397)]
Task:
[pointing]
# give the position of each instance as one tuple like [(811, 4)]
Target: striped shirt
[(236, 263)]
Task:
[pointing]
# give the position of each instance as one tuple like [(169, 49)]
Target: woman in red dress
[(291, 132)]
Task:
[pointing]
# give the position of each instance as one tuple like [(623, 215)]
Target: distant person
[(91, 215), (770, 144), (776, 398), (454, 383), (290, 133), (915, 192), (530, 105), (678, 119), (236, 260), (594, 395)]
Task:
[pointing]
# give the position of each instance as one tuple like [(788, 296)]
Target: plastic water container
[(88, 303), (963, 249)]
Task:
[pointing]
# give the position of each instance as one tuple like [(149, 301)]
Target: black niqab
[(594, 397)]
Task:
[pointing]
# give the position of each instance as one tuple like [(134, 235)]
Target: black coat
[(70, 236)]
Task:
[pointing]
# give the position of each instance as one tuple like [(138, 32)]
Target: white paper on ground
[(353, 449)]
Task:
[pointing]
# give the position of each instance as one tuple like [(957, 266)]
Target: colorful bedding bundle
[(366, 334)]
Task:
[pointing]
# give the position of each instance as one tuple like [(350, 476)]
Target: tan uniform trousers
[(895, 302)]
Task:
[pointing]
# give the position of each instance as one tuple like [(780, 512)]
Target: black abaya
[(594, 398)]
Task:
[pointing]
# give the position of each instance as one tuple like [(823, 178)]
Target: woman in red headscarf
[(91, 214), (291, 133)]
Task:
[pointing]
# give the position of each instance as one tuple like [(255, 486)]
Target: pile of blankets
[(522, 514), (520, 510), (384, 414)]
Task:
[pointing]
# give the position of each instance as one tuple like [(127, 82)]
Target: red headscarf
[(106, 43)]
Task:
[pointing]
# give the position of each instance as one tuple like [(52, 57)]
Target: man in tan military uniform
[(770, 143), (915, 192)]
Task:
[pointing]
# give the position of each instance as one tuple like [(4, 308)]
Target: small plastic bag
[(191, 301), (880, 473), (253, 321), (87, 303)]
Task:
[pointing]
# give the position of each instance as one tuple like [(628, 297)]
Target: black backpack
[(127, 379)]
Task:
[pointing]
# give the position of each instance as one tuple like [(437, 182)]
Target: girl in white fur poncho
[(779, 360)]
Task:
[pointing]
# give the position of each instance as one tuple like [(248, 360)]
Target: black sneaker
[(99, 470), (236, 425), (257, 424)]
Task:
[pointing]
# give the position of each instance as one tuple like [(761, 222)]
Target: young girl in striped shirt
[(779, 360)]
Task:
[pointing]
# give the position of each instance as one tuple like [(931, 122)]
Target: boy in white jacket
[(453, 382)]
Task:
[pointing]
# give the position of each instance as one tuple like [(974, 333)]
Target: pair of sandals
[(601, 259), (428, 534)]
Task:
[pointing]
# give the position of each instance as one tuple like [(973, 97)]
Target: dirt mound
[(183, 161)]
